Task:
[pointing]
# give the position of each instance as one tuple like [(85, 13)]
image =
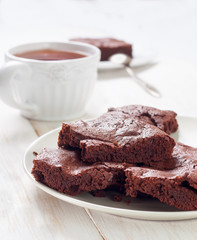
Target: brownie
[(165, 120), (177, 187), (108, 46), (63, 171), (117, 137)]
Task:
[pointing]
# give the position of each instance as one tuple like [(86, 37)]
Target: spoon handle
[(146, 86)]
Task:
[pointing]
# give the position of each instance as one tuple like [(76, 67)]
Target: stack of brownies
[(127, 148)]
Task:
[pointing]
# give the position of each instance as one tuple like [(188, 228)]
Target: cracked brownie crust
[(117, 137), (177, 187), (63, 171), (164, 120)]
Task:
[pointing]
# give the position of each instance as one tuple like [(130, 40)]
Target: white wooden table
[(26, 212)]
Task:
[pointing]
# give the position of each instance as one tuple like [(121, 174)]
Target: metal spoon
[(125, 60)]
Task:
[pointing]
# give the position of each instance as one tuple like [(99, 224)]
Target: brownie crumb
[(98, 193), (35, 153), (127, 202), (117, 198)]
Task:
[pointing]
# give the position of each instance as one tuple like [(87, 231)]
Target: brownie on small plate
[(163, 119), (63, 171), (117, 137), (177, 187), (108, 46)]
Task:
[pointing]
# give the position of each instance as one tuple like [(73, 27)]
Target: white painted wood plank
[(42, 127), (25, 211), (116, 228)]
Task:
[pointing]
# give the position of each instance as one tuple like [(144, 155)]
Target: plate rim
[(129, 213)]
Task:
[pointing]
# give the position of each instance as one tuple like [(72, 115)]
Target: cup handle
[(6, 92)]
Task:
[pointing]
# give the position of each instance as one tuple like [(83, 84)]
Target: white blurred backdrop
[(168, 27)]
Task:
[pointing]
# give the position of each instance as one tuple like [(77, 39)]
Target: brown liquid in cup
[(50, 55)]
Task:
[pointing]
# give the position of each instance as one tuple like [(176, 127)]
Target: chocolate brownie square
[(63, 171), (177, 187), (108, 46), (163, 119), (117, 137)]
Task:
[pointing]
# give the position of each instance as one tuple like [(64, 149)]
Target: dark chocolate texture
[(63, 171), (117, 137), (163, 119), (177, 187)]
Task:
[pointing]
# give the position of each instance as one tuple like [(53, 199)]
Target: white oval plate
[(148, 209)]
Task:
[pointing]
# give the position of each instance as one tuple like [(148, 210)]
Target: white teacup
[(49, 90)]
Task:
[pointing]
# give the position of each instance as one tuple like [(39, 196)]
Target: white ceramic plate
[(139, 60), (148, 209)]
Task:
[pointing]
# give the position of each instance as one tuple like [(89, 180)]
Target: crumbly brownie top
[(69, 161), (103, 42), (163, 119), (185, 171), (116, 128)]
